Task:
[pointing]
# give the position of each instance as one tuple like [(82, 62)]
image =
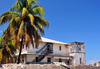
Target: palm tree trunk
[(20, 51)]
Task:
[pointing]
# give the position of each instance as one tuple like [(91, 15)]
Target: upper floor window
[(79, 49), (36, 46), (70, 49), (59, 47), (22, 46)]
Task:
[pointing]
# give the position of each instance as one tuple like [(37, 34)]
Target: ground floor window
[(80, 60), (68, 61), (22, 58), (60, 60), (48, 59), (36, 59), (22, 46)]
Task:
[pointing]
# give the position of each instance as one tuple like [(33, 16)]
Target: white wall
[(77, 50), (56, 50), (45, 59), (63, 50), (33, 50), (76, 58), (30, 58)]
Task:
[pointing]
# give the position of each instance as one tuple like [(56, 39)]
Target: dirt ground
[(44, 66)]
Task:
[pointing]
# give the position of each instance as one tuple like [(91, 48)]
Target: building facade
[(95, 64), (54, 51)]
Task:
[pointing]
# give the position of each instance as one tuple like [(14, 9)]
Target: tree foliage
[(25, 22), (7, 50)]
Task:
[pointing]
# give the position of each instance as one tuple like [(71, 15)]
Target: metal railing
[(42, 49)]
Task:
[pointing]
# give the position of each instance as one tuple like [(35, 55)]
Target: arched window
[(59, 47)]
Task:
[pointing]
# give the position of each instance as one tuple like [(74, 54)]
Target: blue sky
[(70, 20)]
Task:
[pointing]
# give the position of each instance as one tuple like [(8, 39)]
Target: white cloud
[(93, 61)]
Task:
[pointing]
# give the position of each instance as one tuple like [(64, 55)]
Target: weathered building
[(54, 51), (95, 64)]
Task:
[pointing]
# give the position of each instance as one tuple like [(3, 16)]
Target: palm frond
[(41, 20), (26, 36), (40, 27), (20, 30), (34, 1), (30, 3), (10, 12), (7, 16), (35, 34), (24, 12), (37, 10), (17, 7), (31, 18)]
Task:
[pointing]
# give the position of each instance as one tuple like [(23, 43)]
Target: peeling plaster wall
[(76, 58), (78, 53), (95, 64)]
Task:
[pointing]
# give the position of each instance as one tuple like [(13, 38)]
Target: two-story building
[(54, 51)]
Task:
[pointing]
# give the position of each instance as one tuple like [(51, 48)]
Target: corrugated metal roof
[(51, 41)]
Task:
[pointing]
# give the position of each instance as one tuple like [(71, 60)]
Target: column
[(24, 59)]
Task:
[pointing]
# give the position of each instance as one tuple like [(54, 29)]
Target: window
[(23, 46), (36, 46), (22, 60), (36, 59), (79, 49), (70, 49), (60, 60), (94, 64), (68, 61), (80, 60), (59, 47), (49, 60)]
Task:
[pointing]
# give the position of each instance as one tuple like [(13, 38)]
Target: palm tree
[(7, 51), (24, 22)]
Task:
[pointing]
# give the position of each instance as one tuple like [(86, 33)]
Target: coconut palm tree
[(25, 22), (7, 51)]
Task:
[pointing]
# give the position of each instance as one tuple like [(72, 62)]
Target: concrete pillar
[(54, 60), (24, 59)]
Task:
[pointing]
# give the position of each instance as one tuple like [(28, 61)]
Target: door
[(49, 60)]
